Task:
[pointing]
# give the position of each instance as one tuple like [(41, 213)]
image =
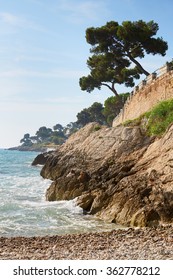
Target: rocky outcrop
[(118, 174), (42, 158)]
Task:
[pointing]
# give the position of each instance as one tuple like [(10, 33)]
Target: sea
[(24, 210)]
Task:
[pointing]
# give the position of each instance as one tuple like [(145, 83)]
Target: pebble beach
[(129, 244)]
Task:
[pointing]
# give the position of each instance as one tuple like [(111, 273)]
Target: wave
[(23, 208)]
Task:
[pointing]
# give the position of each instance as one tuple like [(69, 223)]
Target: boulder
[(42, 158)]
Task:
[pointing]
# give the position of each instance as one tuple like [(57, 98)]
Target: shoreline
[(33, 148), (122, 244)]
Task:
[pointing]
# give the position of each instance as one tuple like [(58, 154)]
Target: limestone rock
[(118, 174), (41, 158)]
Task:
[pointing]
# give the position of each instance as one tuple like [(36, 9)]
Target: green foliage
[(92, 114), (26, 140), (58, 127), (156, 121), (113, 105), (57, 140), (134, 122), (160, 117), (103, 115), (115, 49), (97, 127), (71, 128), (46, 136)]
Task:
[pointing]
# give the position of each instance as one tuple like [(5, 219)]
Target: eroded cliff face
[(118, 174)]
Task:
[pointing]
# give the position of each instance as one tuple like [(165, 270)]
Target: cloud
[(78, 11), (64, 100), (16, 21), (75, 11), (10, 19), (55, 73)]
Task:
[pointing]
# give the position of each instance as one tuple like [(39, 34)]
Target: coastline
[(130, 244), (34, 148), (134, 182)]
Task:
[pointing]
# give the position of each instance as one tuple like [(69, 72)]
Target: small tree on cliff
[(115, 48), (113, 105), (94, 113)]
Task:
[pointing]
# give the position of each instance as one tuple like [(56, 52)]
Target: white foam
[(23, 208)]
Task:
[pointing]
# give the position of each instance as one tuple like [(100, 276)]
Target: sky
[(43, 53)]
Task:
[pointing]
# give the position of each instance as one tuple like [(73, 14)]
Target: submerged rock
[(118, 174)]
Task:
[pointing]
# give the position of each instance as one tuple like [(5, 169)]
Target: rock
[(42, 158), (118, 174), (143, 244), (85, 201)]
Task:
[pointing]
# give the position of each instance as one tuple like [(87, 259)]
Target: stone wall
[(157, 87)]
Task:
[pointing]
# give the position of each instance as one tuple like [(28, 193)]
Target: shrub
[(97, 127), (160, 117), (156, 121)]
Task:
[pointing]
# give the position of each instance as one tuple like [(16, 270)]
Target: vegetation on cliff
[(160, 118), (156, 121), (102, 114)]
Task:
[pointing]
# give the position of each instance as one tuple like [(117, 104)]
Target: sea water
[(23, 208)]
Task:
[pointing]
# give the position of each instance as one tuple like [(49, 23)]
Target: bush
[(160, 117), (156, 121), (97, 127)]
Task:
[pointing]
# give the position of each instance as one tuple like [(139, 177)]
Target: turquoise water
[(23, 209)]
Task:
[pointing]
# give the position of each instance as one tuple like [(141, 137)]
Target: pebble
[(144, 243)]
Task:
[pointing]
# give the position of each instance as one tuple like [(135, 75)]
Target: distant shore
[(132, 244), (34, 148)]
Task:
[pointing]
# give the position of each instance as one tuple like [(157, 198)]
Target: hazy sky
[(43, 54)]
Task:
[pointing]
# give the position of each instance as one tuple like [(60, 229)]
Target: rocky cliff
[(118, 174)]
